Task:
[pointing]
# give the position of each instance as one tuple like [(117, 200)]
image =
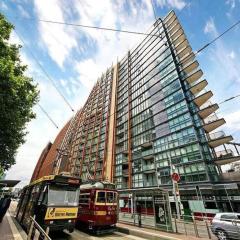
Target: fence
[(36, 232), (193, 226)]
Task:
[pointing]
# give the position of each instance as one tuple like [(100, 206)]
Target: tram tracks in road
[(76, 235)]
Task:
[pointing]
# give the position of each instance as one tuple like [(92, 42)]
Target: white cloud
[(232, 55), (3, 6), (23, 12), (220, 51), (178, 4), (232, 120), (57, 39), (231, 3), (210, 27)]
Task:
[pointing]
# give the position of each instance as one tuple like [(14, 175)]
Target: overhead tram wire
[(229, 99), (134, 32), (44, 71), (45, 112), (92, 27)]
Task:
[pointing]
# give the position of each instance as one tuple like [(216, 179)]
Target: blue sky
[(75, 57)]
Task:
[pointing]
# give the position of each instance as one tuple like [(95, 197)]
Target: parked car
[(226, 226)]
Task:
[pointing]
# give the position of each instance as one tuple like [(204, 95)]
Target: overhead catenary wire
[(91, 27), (45, 112), (44, 71), (229, 99)]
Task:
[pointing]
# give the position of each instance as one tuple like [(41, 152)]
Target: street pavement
[(76, 235)]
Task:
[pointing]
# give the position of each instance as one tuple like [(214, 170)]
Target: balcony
[(179, 40), (181, 45), (230, 177), (169, 17), (176, 34), (147, 144), (218, 138), (190, 67), (212, 122), (172, 21), (125, 172), (226, 157), (208, 110), (149, 168), (191, 78), (200, 100), (174, 28), (198, 87), (184, 51)]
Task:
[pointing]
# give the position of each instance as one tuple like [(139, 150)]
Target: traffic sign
[(176, 177)]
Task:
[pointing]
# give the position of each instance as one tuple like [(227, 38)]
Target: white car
[(226, 226)]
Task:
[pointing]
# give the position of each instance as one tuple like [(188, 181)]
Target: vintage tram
[(53, 200), (98, 203)]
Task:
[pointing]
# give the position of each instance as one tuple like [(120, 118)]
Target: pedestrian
[(5, 203), (139, 211)]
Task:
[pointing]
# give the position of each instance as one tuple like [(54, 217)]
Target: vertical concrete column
[(110, 157)]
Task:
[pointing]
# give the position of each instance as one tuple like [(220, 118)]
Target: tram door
[(161, 211)]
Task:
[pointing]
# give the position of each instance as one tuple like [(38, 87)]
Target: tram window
[(41, 196), (60, 196), (84, 198), (101, 197), (110, 197)]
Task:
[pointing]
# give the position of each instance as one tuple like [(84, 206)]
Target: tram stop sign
[(176, 177)]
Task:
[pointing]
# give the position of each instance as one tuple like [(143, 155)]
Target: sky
[(75, 57)]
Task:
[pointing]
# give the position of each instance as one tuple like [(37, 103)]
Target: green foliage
[(18, 94)]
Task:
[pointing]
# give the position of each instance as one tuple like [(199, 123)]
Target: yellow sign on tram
[(61, 213)]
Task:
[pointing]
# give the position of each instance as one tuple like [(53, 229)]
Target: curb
[(145, 235)]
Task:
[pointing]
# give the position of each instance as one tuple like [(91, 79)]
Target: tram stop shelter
[(7, 183), (145, 207)]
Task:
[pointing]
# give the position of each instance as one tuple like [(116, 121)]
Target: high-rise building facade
[(149, 116)]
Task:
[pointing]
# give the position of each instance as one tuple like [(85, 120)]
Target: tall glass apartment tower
[(147, 113), (164, 116)]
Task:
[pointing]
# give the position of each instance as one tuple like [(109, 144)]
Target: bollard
[(209, 234), (184, 226), (47, 232), (175, 221), (31, 229)]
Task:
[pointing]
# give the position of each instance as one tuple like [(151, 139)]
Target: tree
[(18, 95)]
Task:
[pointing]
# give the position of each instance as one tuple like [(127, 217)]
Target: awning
[(8, 183)]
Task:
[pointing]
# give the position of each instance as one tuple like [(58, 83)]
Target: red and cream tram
[(98, 206)]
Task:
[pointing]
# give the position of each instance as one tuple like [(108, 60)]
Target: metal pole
[(31, 228), (174, 186), (228, 198)]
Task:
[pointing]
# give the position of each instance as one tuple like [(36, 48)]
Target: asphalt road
[(77, 235)]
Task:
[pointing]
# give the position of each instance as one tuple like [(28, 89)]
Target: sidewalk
[(9, 229), (153, 234)]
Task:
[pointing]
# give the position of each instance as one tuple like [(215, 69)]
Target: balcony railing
[(147, 152), (211, 118), (148, 167), (125, 172), (225, 153), (216, 135)]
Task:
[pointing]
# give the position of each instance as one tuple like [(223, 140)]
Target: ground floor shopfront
[(207, 199)]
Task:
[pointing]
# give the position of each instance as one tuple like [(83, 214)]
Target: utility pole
[(175, 187)]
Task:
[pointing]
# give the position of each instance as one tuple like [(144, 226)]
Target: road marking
[(15, 232), (128, 236)]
